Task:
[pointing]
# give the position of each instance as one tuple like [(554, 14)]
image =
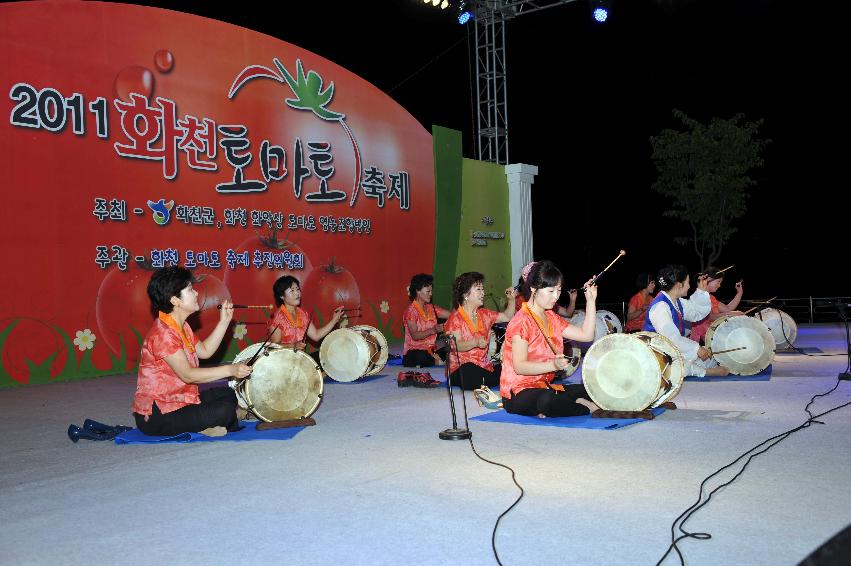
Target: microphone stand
[(845, 375), (453, 433)]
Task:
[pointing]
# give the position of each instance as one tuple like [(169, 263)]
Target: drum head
[(674, 372), (782, 326), (610, 322), (606, 323), (286, 384), (621, 373), (378, 347), (737, 331), (345, 355)]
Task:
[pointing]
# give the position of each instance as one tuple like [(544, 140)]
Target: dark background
[(584, 98)]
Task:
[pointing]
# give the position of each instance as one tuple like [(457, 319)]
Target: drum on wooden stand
[(607, 323), (349, 353), (782, 326), (631, 372), (285, 384), (750, 334)]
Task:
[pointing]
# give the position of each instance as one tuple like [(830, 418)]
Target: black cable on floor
[(479, 456), (762, 448)]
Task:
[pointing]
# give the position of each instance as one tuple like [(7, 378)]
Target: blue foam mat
[(395, 362), (250, 432), (586, 421), (764, 375)]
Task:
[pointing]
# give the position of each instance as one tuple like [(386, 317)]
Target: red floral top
[(156, 380), (478, 356), (293, 329), (424, 318), (524, 325)]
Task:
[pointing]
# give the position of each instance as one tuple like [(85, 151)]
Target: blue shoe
[(75, 433), (95, 426), (487, 398)]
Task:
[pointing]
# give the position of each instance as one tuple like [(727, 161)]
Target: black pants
[(422, 358), (472, 376), (217, 408), (533, 402)]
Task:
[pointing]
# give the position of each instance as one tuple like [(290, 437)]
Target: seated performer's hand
[(299, 346), (703, 353), (226, 312), (590, 290), (560, 362), (240, 370), (337, 314), (511, 293), (739, 285), (703, 282)]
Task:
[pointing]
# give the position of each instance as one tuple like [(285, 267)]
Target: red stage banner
[(137, 137)]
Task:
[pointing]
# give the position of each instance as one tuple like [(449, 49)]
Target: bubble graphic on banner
[(133, 79), (164, 61)]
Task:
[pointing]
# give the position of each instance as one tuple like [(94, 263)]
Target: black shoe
[(95, 426), (75, 433)]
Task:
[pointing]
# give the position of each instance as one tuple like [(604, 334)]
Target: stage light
[(435, 2), (444, 4), (465, 17), (600, 10)]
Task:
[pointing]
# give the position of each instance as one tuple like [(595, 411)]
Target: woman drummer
[(422, 326), (669, 312), (639, 304), (469, 325), (719, 309), (167, 400), (533, 350), (290, 324)]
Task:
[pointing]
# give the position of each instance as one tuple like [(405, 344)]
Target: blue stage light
[(601, 15), (465, 17)]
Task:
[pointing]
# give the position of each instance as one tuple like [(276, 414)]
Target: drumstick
[(717, 273), (250, 363), (270, 307), (596, 277), (758, 306), (729, 350)]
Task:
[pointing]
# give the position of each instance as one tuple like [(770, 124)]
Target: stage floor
[(371, 483)]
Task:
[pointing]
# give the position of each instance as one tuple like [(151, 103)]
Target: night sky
[(584, 99)]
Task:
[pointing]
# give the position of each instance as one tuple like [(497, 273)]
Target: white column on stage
[(520, 178)]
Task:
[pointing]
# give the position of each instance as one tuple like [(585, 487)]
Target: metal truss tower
[(490, 52)]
